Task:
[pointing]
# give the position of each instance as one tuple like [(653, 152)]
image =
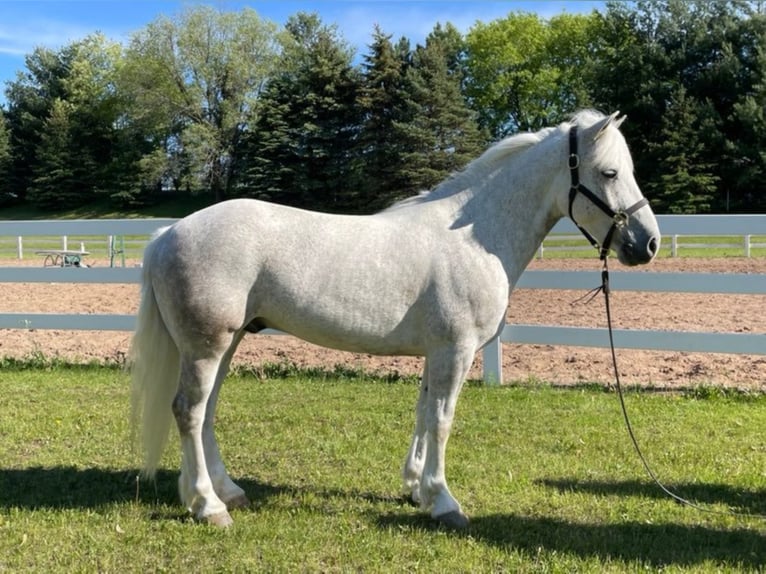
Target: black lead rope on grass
[(604, 288)]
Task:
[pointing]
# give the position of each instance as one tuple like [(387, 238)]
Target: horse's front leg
[(446, 372), (416, 456)]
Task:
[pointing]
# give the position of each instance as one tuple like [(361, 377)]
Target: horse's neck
[(517, 208)]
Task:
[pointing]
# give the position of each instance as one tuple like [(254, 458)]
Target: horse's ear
[(601, 126)]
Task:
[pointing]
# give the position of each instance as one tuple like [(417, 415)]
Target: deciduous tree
[(525, 73), (196, 80)]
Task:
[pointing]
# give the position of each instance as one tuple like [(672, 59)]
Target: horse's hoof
[(220, 520), (239, 501), (454, 520)]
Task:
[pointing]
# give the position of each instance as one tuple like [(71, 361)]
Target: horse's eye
[(609, 173)]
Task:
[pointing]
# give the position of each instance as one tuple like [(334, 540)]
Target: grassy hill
[(173, 207)]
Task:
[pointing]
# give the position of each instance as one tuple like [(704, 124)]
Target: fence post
[(492, 357), (64, 242), (20, 247), (747, 245), (114, 251), (674, 246)]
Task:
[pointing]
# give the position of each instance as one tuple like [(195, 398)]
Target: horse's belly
[(360, 342), (349, 329)]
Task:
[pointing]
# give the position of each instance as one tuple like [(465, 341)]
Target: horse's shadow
[(71, 487), (633, 540), (643, 544), (738, 500)]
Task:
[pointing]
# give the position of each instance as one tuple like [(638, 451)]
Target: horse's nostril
[(652, 246)]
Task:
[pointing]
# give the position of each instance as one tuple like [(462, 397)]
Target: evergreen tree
[(30, 98), (741, 75), (301, 148), (64, 105), (54, 184), (6, 193), (746, 189), (686, 183), (381, 101), (661, 56), (438, 133)]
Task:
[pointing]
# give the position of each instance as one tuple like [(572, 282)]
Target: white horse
[(430, 276)]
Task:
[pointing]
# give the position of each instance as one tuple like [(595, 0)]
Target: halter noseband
[(619, 218)]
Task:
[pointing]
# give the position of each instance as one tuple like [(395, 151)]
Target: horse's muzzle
[(638, 252)]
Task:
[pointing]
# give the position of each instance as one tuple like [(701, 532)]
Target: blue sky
[(26, 24)]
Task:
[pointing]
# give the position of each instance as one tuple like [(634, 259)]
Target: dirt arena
[(562, 365)]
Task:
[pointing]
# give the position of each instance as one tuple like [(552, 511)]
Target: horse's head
[(604, 199)]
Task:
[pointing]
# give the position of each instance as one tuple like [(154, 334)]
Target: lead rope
[(605, 289)]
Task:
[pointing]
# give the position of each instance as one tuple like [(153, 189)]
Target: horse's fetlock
[(430, 488)]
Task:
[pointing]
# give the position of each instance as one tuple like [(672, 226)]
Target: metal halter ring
[(621, 218)]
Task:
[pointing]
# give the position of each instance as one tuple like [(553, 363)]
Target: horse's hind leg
[(196, 386), (413, 463), (231, 494)]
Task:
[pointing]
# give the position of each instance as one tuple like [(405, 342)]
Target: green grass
[(564, 248), (547, 475)]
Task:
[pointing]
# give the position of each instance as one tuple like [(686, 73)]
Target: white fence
[(741, 343)]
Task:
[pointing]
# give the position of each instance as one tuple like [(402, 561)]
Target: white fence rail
[(742, 343)]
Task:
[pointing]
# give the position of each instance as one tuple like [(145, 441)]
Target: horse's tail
[(155, 366)]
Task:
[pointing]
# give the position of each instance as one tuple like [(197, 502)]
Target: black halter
[(619, 218)]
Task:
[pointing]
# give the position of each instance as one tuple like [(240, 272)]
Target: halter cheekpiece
[(619, 218)]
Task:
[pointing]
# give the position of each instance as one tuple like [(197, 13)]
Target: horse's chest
[(476, 294)]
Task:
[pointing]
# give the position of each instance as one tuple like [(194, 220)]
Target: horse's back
[(363, 283), (247, 262)]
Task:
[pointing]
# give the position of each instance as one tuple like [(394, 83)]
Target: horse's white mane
[(586, 117), (485, 163), (491, 158)]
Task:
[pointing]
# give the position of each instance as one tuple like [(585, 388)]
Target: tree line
[(232, 105)]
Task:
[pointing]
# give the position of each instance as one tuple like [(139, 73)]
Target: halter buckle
[(574, 161)]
